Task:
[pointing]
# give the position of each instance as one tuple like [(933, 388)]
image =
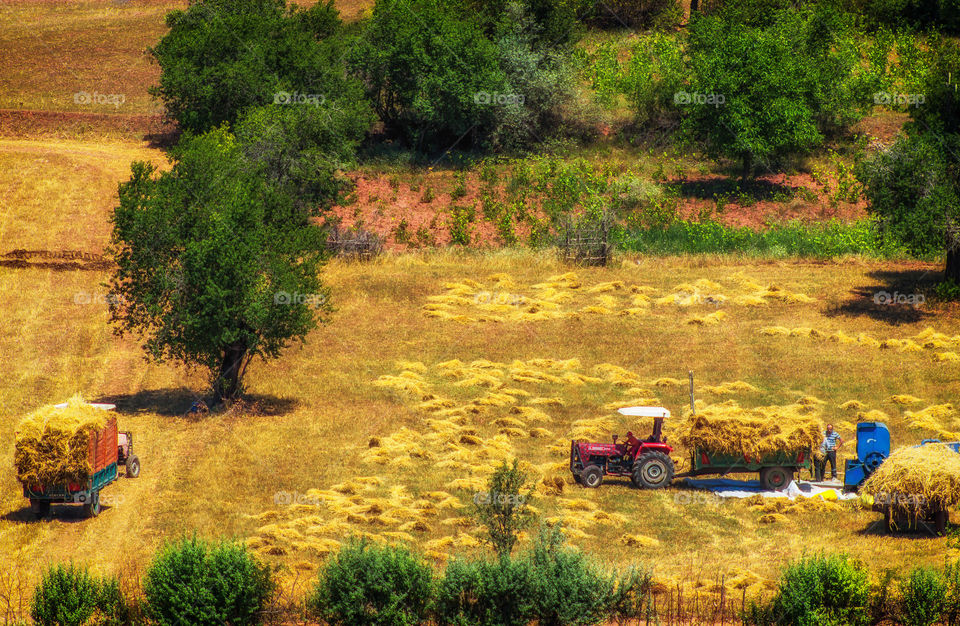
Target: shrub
[(505, 509), (635, 13), (567, 589), (221, 57), (632, 596), (486, 593), (192, 581), (438, 75), (367, 584), (827, 589), (923, 597), (65, 596)]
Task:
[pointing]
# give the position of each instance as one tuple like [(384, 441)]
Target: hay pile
[(52, 445), (930, 472), (731, 429)]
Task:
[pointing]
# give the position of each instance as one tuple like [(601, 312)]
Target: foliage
[(70, 596), (460, 219), (818, 240), (486, 593), (912, 189), (923, 597), (823, 589), (568, 590), (639, 14), (215, 265), (366, 584), (440, 76), (191, 581), (943, 14), (762, 93), (221, 57), (505, 508), (632, 598)]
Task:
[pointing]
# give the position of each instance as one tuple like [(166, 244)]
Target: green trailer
[(775, 470)]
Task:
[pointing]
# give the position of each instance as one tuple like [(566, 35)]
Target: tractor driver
[(633, 445)]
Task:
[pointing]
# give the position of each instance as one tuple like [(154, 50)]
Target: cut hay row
[(503, 299), (926, 340)]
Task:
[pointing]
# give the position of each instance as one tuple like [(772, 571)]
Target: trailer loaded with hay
[(916, 486), (773, 442), (67, 453)]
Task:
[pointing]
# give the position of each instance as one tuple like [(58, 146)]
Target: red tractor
[(647, 462)]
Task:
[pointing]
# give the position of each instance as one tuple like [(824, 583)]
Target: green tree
[(761, 93), (914, 186), (221, 57), (504, 509), (215, 265)]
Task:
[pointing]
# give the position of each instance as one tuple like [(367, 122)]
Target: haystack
[(731, 429), (52, 445), (930, 472)]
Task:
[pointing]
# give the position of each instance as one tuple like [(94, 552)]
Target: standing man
[(832, 441)]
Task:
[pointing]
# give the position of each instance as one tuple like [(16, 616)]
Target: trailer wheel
[(653, 470), (92, 508), (775, 478), (133, 466), (591, 476), (40, 508)]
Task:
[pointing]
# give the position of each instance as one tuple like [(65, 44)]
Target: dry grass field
[(518, 360), (436, 366)]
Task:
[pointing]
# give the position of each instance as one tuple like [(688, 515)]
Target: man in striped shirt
[(832, 441)]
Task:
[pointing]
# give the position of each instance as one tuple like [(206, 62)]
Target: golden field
[(386, 422)]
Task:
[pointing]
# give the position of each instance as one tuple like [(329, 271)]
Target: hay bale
[(773, 518), (773, 331), (52, 445), (904, 399), (852, 405), (731, 429), (931, 473), (639, 541)]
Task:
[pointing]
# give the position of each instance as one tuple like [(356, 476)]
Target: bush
[(66, 596), (221, 57), (486, 593), (69, 596), (822, 590), (923, 597), (192, 581), (439, 76), (366, 584), (635, 14), (567, 589), (505, 509)]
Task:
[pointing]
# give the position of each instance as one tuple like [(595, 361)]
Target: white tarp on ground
[(730, 488)]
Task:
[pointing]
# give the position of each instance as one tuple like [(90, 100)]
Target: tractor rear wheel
[(653, 470), (591, 476), (775, 478)]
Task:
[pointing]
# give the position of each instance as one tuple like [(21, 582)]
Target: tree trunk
[(747, 166), (227, 385), (952, 270)]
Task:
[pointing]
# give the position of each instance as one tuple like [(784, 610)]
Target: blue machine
[(873, 448)]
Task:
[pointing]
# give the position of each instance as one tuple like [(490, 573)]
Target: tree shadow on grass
[(176, 402), (891, 299)]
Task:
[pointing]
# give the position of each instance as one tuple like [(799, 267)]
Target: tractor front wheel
[(591, 476), (653, 470)]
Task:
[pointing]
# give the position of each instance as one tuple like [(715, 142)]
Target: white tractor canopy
[(644, 411)]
